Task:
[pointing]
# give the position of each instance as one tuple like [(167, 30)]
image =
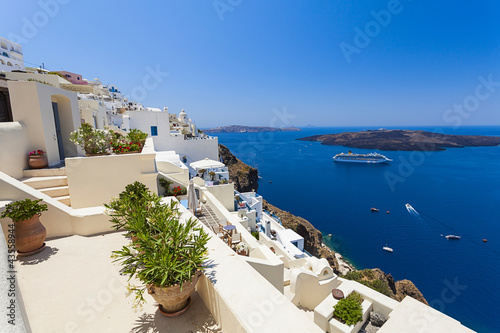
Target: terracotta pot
[(171, 299), (30, 234), (38, 161)]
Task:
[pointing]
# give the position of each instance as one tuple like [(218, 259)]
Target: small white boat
[(452, 237), (388, 249)]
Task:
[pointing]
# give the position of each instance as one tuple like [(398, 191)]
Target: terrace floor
[(73, 286)]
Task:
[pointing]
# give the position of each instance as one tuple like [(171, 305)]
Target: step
[(44, 172), (44, 182), (58, 191), (64, 200)]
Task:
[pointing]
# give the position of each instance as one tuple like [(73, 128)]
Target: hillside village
[(259, 276)]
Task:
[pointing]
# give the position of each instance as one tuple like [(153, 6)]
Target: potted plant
[(348, 310), (37, 159), (212, 175), (167, 255), (29, 231), (242, 249), (93, 141), (132, 143)]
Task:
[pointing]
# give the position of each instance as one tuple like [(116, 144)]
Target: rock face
[(249, 129), (403, 140), (407, 288), (244, 177), (377, 319), (312, 236)]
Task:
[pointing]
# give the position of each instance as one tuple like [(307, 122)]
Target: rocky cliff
[(246, 179)]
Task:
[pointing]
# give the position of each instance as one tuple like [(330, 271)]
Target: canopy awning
[(206, 164)]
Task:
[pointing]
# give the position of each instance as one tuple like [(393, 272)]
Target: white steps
[(52, 182), (44, 182)]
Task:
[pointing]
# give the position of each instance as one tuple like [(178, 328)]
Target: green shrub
[(23, 209), (132, 205), (93, 141), (137, 136), (355, 296), (165, 183), (166, 251), (354, 275), (255, 234), (349, 311)]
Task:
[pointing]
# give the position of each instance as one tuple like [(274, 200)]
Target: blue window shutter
[(154, 130)]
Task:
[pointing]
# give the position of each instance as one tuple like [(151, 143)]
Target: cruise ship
[(361, 158)]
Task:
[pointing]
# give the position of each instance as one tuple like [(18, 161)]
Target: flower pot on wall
[(30, 235), (38, 161), (174, 301)]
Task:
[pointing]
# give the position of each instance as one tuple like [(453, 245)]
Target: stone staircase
[(209, 218), (52, 182)]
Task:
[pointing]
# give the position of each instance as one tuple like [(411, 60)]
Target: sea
[(456, 191)]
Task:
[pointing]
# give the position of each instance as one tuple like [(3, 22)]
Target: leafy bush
[(137, 136), (355, 296), (349, 311), (132, 206), (134, 141), (93, 141), (166, 251), (165, 183), (23, 209), (255, 234), (367, 277), (379, 286)]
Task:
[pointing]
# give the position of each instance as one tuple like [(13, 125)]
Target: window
[(154, 130), (9, 64), (4, 45), (5, 54), (2, 62), (78, 78), (67, 75)]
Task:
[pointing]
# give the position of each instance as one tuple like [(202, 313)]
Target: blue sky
[(250, 62)]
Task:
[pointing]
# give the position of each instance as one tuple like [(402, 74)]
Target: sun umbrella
[(192, 199)]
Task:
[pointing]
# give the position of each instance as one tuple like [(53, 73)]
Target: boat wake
[(412, 210)]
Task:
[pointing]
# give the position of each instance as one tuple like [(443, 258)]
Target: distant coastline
[(249, 129), (403, 140)]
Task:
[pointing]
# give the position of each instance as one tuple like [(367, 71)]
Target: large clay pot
[(38, 161), (30, 234), (172, 300)]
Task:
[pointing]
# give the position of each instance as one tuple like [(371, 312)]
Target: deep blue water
[(456, 191)]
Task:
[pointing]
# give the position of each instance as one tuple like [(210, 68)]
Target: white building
[(11, 56)]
